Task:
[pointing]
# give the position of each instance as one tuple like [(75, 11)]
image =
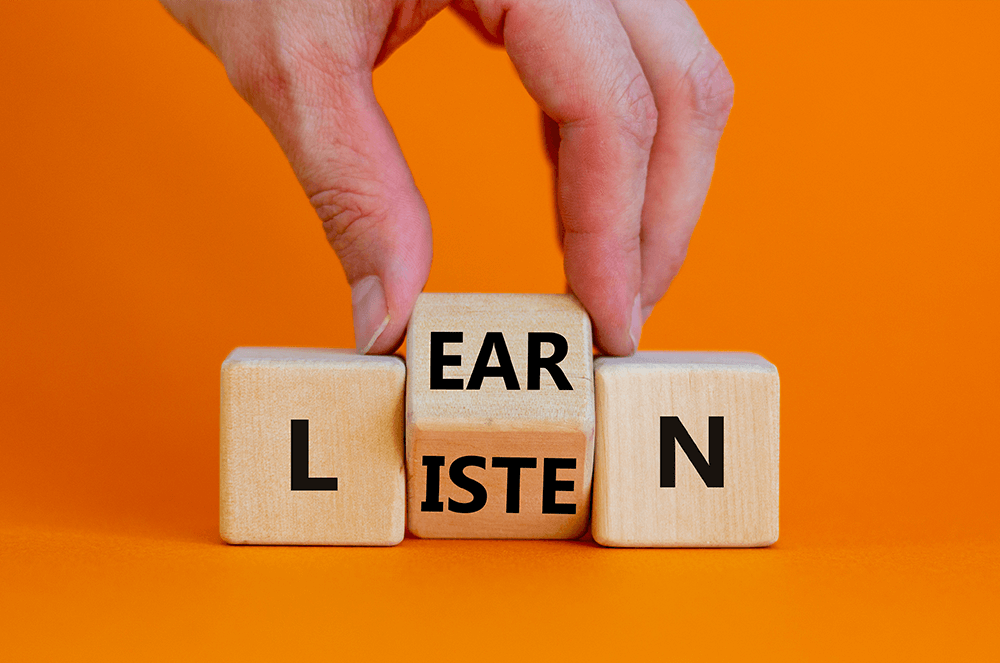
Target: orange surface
[(851, 236)]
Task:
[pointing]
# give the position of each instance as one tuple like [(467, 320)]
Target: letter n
[(710, 471)]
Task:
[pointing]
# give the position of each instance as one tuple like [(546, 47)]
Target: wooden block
[(499, 416), (311, 448), (686, 450)]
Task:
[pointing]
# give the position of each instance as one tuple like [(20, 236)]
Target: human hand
[(635, 99)]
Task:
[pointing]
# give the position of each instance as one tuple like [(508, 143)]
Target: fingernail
[(646, 312), (637, 321), (371, 315)]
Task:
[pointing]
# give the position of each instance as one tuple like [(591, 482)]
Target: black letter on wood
[(710, 471), (300, 461), (469, 484), (433, 493), (536, 363), (514, 465), (439, 360), (550, 485), (494, 340)]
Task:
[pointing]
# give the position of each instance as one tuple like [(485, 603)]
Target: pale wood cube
[(311, 448), (499, 416), (686, 450)]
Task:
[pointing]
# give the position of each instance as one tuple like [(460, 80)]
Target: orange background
[(851, 236)]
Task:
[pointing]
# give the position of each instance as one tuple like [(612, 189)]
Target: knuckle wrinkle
[(712, 91), (639, 114), (350, 218)]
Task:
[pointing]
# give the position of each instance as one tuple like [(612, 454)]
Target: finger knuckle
[(636, 111), (712, 89), (268, 74), (287, 67), (255, 78)]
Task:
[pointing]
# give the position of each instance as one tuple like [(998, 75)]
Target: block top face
[(519, 335), (339, 357), (686, 361)]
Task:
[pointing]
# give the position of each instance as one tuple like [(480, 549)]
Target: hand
[(635, 99)]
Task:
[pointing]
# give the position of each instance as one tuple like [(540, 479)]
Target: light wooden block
[(647, 407), (457, 437), (354, 408)]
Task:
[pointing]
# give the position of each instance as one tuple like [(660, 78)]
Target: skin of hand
[(634, 97)]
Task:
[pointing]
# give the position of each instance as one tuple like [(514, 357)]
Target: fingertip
[(387, 336), (383, 335), (637, 321), (406, 267), (616, 335), (604, 274), (380, 320), (614, 343), (387, 340), (370, 312)]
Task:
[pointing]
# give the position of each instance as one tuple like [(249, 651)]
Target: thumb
[(344, 152), (306, 69), (375, 218)]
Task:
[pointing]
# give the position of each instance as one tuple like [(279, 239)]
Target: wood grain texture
[(494, 421), (632, 394), (354, 405)]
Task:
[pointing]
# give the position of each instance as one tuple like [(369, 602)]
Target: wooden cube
[(311, 448), (686, 450), (499, 416)]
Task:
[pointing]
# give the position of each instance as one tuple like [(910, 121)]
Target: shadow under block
[(686, 450), (499, 416), (293, 420)]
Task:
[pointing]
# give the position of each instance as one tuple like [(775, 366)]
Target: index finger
[(576, 61)]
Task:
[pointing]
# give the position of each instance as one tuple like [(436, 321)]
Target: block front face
[(686, 450), (500, 416), (353, 406)]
